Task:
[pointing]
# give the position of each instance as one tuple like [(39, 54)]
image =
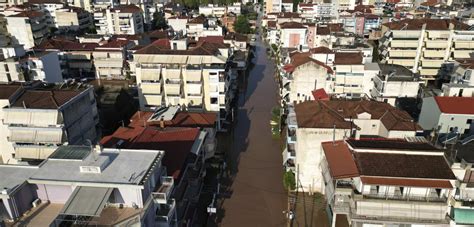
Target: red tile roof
[(292, 25), (65, 45), (8, 90), (203, 48), (37, 99), (340, 160), (212, 39), (425, 183), (181, 119), (431, 24), (30, 14), (320, 94), (298, 59), (162, 43), (455, 105), (342, 58), (126, 9)]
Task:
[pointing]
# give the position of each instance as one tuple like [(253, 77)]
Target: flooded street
[(254, 194)]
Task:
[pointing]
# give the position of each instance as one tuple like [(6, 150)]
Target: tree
[(159, 21), (242, 25), (289, 181)]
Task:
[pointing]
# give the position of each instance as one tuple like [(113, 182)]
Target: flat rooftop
[(13, 176), (119, 167)]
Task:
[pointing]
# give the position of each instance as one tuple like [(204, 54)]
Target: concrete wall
[(54, 193), (306, 78), (51, 68), (448, 121), (430, 114), (21, 31), (6, 148), (309, 155)]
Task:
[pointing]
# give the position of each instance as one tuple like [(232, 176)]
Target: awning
[(464, 216), (87, 201)]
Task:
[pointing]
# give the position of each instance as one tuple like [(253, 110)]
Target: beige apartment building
[(423, 45), (73, 18), (28, 28), (195, 78), (123, 19)]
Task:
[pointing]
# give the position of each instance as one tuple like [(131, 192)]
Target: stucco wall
[(430, 114)]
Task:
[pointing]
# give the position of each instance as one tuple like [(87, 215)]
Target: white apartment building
[(292, 35), (123, 19), (461, 76), (386, 182), (195, 78), (313, 122), (219, 11), (445, 114), (40, 65), (318, 11), (27, 27), (8, 94), (178, 24), (48, 8), (423, 45), (41, 119), (394, 81), (277, 6), (202, 27)]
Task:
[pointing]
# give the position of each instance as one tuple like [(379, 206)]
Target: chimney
[(162, 122)]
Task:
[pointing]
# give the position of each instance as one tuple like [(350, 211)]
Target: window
[(452, 119), (469, 121), (213, 100)]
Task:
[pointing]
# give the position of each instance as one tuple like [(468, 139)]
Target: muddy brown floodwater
[(253, 192)]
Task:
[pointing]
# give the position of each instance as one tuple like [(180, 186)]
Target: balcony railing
[(162, 195), (402, 197)]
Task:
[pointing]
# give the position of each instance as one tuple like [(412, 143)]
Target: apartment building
[(48, 8), (219, 11), (445, 115), (423, 45), (187, 140), (75, 58), (81, 185), (28, 28), (386, 182), (461, 200), (201, 27), (460, 74), (43, 66), (311, 123), (393, 82), (277, 6), (5, 38), (293, 35), (318, 11), (8, 94), (73, 18), (122, 19), (110, 59), (178, 24), (194, 77), (41, 119)]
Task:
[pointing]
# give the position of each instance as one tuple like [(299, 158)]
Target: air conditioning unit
[(36, 202)]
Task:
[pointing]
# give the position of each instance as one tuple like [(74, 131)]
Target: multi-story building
[(82, 185), (446, 115), (75, 58), (423, 45), (201, 27), (28, 28), (40, 65), (460, 74), (312, 122), (393, 82), (292, 35), (5, 38), (41, 119), (461, 200), (195, 78), (386, 182), (110, 59), (178, 24), (48, 8), (73, 18), (9, 93), (318, 11), (219, 11), (122, 19)]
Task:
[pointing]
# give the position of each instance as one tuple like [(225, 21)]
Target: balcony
[(151, 88), (173, 89), (173, 73), (193, 75), (404, 44), (406, 34), (402, 53), (194, 89), (291, 138), (36, 135), (162, 195), (33, 151), (431, 63), (437, 44), (165, 212), (431, 199), (152, 100), (462, 53), (464, 44), (434, 53)]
